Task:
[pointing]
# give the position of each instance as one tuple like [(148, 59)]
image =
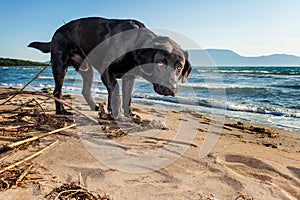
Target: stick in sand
[(15, 144), (24, 174), (27, 158), (35, 77)]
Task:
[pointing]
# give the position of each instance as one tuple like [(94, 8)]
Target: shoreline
[(247, 162), (261, 99)]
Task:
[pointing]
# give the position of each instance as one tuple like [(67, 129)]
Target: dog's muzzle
[(166, 91)]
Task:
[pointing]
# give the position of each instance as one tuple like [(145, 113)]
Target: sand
[(141, 162)]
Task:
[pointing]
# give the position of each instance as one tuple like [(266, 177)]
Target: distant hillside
[(222, 57), (18, 62)]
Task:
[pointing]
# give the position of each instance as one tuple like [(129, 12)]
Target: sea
[(267, 96)]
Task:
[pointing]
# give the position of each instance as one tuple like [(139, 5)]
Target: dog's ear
[(162, 43), (186, 69)]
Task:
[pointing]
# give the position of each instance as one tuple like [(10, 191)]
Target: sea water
[(263, 95)]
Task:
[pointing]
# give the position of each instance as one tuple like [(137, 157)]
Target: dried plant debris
[(242, 196), (29, 117), (18, 176), (74, 191), (114, 128), (262, 131), (115, 133), (195, 114)]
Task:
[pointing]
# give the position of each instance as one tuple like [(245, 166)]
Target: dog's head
[(164, 64)]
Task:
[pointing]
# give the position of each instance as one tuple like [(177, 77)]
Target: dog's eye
[(161, 62), (179, 67)]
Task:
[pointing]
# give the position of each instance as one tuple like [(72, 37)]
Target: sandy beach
[(247, 161)]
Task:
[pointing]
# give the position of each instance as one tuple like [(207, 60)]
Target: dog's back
[(83, 35)]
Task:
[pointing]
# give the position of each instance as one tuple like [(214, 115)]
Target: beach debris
[(67, 96), (262, 131), (121, 127), (35, 77), (26, 159), (74, 191), (15, 173), (267, 144), (15, 176), (195, 114), (115, 133), (21, 121), (207, 197), (90, 118), (31, 139), (244, 197), (46, 90)]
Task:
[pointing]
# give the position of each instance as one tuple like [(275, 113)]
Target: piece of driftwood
[(27, 158), (24, 174), (40, 106), (23, 105), (15, 144)]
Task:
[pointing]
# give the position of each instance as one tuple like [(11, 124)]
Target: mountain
[(223, 57)]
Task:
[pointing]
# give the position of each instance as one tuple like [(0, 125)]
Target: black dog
[(117, 49)]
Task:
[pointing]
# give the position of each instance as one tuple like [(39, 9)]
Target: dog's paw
[(63, 112)]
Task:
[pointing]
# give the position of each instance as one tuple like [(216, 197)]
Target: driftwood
[(15, 144), (27, 158), (24, 174)]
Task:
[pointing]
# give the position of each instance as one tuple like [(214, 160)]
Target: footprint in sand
[(259, 171)]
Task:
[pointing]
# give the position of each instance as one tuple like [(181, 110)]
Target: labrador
[(116, 48)]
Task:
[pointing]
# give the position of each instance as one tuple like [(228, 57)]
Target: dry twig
[(15, 144), (24, 174), (35, 77), (56, 99), (27, 158)]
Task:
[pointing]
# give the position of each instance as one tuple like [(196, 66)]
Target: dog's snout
[(165, 90)]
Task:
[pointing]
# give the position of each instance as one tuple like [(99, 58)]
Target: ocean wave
[(288, 86), (46, 77), (262, 110), (248, 72), (221, 105), (224, 86), (17, 85)]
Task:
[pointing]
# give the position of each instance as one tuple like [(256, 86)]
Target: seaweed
[(261, 131), (73, 191)]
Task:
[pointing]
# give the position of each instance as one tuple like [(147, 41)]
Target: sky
[(249, 27)]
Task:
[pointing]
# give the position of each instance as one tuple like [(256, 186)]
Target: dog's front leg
[(127, 86), (87, 74), (114, 101)]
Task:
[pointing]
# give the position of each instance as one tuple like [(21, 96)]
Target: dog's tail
[(42, 46)]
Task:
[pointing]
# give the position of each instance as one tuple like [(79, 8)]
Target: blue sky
[(250, 27)]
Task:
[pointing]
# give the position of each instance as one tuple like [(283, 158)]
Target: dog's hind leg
[(59, 70), (87, 73)]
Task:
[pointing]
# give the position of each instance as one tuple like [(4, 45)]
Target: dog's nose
[(170, 91)]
